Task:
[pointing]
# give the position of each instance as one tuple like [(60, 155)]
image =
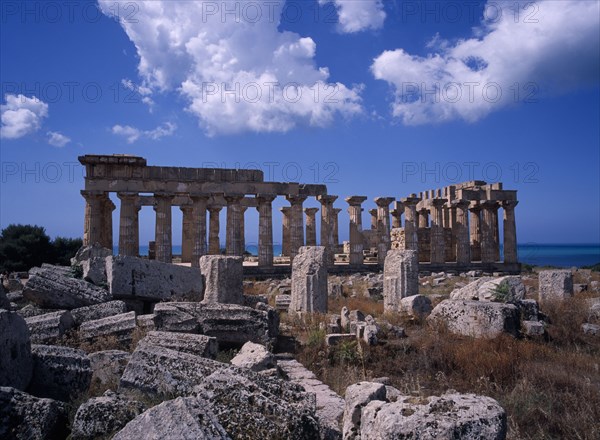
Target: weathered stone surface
[(555, 285), (32, 310), (400, 277), (255, 357), (59, 373), (92, 251), (231, 324), (50, 287), (47, 328), (181, 418), (108, 366), (451, 416), (24, 417), (4, 301), (530, 309), (98, 311), (282, 302), (503, 289), (102, 416), (533, 328), (309, 280), (199, 345), (594, 314), (132, 277), (357, 397), (591, 329), (16, 363), (146, 322), (336, 338), (418, 306), (94, 270), (223, 276), (121, 326), (478, 319)]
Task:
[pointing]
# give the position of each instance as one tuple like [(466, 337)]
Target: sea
[(536, 254)]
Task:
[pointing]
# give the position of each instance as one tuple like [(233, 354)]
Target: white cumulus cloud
[(534, 50), (132, 134), (57, 139), (21, 115), (358, 15), (236, 71)]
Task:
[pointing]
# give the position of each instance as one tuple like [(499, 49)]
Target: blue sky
[(146, 78)]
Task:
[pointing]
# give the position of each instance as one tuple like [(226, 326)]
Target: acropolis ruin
[(455, 228)]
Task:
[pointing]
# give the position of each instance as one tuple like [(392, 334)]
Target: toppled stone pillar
[(198, 228), (356, 236), (327, 226), (510, 231), (309, 280), (383, 226), (488, 233), (285, 231), (475, 230), (438, 246), (162, 207), (411, 241), (223, 279), (234, 219), (265, 229), (187, 233), (461, 231), (128, 224), (214, 246), (400, 278), (296, 224), (311, 226)]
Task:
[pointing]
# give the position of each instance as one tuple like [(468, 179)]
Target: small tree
[(24, 246), (65, 249)]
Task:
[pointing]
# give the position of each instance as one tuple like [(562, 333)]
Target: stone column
[(356, 237), (336, 231), (461, 232), (410, 225), (496, 232), (373, 213), (383, 227), (510, 231), (265, 229), (296, 224), (286, 212), (233, 237), (136, 227), (327, 226), (214, 245), (187, 233), (162, 207), (243, 227), (475, 230), (128, 228), (397, 216), (199, 202), (438, 242), (93, 222), (311, 226), (488, 251), (423, 218), (107, 223)]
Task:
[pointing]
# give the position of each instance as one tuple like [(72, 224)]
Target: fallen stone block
[(50, 287), (335, 339), (255, 357), (198, 345), (150, 280), (94, 271), (451, 416), (102, 416), (282, 302), (555, 285), (92, 251), (357, 397), (60, 373), (146, 322), (223, 276), (24, 417), (478, 319), (98, 311), (48, 328), (4, 301), (120, 326), (591, 329), (400, 278), (108, 367), (16, 362), (502, 289), (533, 329), (417, 306), (530, 309)]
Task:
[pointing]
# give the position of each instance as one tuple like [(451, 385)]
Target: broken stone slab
[(108, 367), (198, 345), (223, 277), (478, 319), (417, 306), (102, 416), (60, 373), (31, 310), (94, 271), (309, 280), (48, 328), (255, 357), (530, 309), (356, 398), (335, 339), (533, 328), (98, 311), (181, 418), (368, 333), (92, 251), (50, 287), (591, 329), (151, 280), (502, 289), (400, 278), (120, 326), (231, 324), (145, 322), (16, 362), (555, 285), (450, 416), (25, 417), (282, 302)]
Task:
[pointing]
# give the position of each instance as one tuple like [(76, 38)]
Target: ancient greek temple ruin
[(451, 228)]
